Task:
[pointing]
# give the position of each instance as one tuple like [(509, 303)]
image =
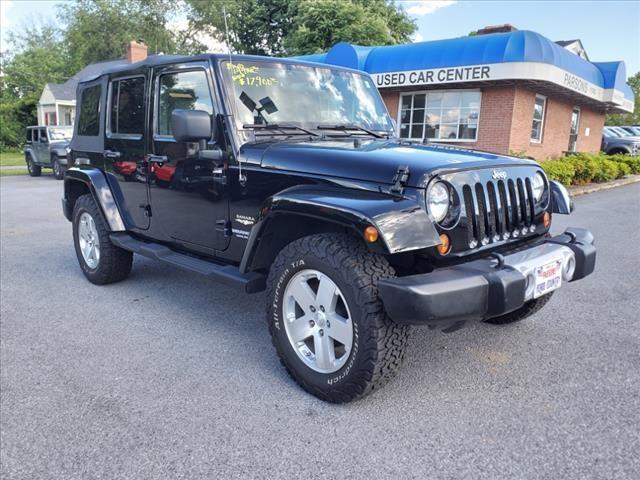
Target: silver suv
[(47, 147), (617, 140)]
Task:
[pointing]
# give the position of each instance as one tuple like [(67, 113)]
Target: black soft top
[(159, 60)]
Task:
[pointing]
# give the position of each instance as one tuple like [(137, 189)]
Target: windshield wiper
[(344, 127), (282, 127)]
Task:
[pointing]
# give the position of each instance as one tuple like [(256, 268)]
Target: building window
[(450, 115), (89, 121), (185, 90), (127, 107), (538, 118), (575, 129)]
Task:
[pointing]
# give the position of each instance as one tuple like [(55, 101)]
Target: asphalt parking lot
[(167, 375)]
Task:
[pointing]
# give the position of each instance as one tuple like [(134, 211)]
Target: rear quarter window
[(89, 118), (126, 107)]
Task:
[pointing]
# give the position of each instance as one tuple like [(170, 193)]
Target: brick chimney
[(136, 52)]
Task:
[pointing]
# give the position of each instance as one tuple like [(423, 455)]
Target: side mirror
[(191, 125)]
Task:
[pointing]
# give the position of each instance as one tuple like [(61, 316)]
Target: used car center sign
[(543, 72), (433, 76)]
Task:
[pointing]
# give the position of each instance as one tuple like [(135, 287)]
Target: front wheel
[(58, 171), (326, 320), (101, 261)]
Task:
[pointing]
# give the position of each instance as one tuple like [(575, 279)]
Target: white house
[(57, 104)]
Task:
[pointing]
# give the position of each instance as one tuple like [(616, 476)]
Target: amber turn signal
[(546, 219), (371, 234), (445, 244)]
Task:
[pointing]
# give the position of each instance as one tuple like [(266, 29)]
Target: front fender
[(59, 152), (96, 182), (402, 223), (560, 199)]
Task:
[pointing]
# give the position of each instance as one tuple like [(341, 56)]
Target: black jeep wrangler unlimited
[(284, 175)]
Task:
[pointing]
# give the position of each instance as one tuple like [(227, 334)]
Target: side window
[(185, 90), (43, 135), (537, 123), (89, 120), (126, 112)]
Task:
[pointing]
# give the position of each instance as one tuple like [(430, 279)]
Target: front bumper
[(484, 288)]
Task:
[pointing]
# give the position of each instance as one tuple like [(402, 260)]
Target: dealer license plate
[(548, 278)]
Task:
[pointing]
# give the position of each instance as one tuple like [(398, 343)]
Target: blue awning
[(515, 55)]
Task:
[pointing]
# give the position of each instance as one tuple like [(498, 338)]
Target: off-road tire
[(378, 344), (33, 169), (115, 263), (528, 309), (58, 171)]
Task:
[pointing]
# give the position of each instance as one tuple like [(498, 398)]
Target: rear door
[(124, 146), (42, 147)]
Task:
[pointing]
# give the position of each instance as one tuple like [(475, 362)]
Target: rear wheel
[(326, 321), (33, 169), (58, 171), (101, 261), (528, 309)]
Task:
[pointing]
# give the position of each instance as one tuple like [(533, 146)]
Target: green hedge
[(581, 168)]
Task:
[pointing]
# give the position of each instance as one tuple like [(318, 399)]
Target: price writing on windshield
[(249, 75)]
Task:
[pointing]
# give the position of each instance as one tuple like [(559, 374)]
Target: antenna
[(242, 179)]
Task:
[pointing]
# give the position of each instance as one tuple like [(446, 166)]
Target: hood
[(59, 143), (624, 140), (370, 160)]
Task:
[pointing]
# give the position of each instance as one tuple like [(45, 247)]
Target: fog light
[(445, 244), (546, 219), (529, 285), (371, 234), (569, 269)]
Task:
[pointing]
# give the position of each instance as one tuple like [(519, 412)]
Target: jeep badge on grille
[(499, 174)]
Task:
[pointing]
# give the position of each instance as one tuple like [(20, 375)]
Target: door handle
[(157, 158), (110, 154)]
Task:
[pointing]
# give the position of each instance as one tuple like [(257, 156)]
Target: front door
[(124, 147), (575, 129), (188, 204)]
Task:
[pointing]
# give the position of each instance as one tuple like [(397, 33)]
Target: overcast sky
[(609, 30)]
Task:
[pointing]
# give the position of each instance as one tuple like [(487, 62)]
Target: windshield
[(621, 132), (301, 95), (60, 133), (609, 132)]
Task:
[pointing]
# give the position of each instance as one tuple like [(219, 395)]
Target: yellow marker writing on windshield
[(248, 75)]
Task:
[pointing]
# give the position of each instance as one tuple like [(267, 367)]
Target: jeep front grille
[(498, 210)]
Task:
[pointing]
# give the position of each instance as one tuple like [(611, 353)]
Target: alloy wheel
[(89, 240), (317, 321)]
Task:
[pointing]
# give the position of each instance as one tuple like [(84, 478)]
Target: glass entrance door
[(575, 128)]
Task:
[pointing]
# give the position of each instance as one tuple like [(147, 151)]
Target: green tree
[(288, 27), (256, 27), (98, 30), (628, 118), (36, 56)]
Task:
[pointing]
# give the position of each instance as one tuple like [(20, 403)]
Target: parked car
[(616, 140), (284, 175), (47, 147)]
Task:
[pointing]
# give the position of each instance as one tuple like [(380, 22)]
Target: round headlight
[(438, 201), (537, 186)]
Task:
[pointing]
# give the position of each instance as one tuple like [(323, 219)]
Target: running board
[(250, 282)]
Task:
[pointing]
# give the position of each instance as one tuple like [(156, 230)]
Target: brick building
[(502, 90)]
